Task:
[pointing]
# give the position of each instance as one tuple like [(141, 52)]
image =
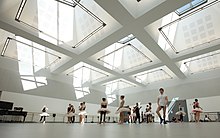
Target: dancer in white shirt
[(162, 101)]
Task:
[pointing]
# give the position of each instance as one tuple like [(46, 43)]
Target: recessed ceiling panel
[(193, 29), (84, 73), (125, 55), (60, 21), (137, 9), (202, 63), (154, 75), (119, 84), (28, 52)]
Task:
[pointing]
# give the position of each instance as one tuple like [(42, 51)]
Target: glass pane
[(28, 85)]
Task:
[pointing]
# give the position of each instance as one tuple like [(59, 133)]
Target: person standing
[(103, 111), (44, 114), (162, 102), (73, 111), (82, 112), (197, 110), (69, 116), (137, 112), (122, 110)]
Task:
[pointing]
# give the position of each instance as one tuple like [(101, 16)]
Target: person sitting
[(181, 114), (207, 119)]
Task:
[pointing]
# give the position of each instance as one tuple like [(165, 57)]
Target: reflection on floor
[(61, 130)]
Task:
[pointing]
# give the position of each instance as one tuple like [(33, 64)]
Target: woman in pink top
[(197, 110)]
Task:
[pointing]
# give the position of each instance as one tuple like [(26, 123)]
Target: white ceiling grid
[(122, 20)]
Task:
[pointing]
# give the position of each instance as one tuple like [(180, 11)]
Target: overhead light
[(138, 0)]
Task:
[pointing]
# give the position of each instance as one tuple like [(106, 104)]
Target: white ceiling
[(125, 22)]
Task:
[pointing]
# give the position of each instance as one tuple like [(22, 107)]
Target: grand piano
[(6, 110)]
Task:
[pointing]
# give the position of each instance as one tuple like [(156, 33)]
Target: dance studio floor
[(56, 130)]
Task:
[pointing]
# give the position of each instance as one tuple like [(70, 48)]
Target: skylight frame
[(150, 72), (126, 45), (201, 2), (118, 81), (97, 70), (208, 5), (9, 39), (74, 4), (203, 56), (127, 39)]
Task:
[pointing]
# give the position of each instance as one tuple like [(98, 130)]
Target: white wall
[(58, 86), (209, 104), (32, 103), (199, 89)]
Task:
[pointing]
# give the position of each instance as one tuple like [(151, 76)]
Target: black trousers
[(181, 118), (137, 117), (102, 114), (73, 119)]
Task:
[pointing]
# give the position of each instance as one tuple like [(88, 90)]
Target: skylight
[(26, 51), (125, 55), (192, 30), (34, 60), (119, 84), (83, 76), (190, 6), (154, 75), (112, 87), (201, 63), (66, 22), (87, 73)]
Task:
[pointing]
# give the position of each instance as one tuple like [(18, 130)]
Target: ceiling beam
[(114, 7), (159, 12), (94, 49), (147, 41), (116, 74), (129, 23)]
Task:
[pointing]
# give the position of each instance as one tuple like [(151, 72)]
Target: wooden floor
[(56, 130)]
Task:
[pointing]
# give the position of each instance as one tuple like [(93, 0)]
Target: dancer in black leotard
[(103, 111)]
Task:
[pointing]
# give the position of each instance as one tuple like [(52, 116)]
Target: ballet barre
[(214, 116), (62, 118)]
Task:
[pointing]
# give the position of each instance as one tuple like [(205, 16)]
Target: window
[(190, 6), (83, 76), (154, 75), (124, 55), (201, 63)]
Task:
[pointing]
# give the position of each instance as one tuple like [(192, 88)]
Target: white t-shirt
[(162, 99)]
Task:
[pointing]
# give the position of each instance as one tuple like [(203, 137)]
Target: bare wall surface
[(199, 89)]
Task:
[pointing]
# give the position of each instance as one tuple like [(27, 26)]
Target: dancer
[(148, 112), (180, 113), (197, 110), (70, 113), (207, 119), (103, 111), (44, 114), (82, 112), (122, 110), (137, 112), (162, 101), (73, 111)]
